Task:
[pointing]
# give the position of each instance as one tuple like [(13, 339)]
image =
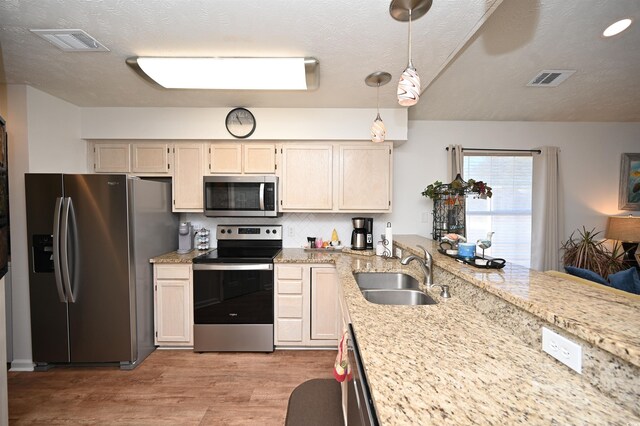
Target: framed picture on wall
[(629, 198)]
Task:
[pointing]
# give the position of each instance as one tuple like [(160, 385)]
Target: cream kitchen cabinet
[(111, 157), (306, 177), (173, 304), (246, 158), (187, 177), (307, 310), (364, 177), (140, 158), (325, 307), (151, 158)]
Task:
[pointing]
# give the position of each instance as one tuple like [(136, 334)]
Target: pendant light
[(409, 84), (377, 79)]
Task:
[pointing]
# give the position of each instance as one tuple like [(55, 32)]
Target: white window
[(508, 212)]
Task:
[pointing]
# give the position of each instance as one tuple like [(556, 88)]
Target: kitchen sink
[(385, 280), (398, 297)]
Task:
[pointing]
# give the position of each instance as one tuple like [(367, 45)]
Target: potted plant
[(586, 252)]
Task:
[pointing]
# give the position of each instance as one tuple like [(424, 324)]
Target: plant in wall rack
[(449, 203)]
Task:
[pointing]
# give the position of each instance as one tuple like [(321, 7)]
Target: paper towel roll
[(388, 236)]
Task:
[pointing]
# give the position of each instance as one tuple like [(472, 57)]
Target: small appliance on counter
[(202, 236), (359, 234), (368, 226), (185, 238)]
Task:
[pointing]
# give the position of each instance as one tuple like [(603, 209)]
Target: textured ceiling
[(487, 81), (483, 79)]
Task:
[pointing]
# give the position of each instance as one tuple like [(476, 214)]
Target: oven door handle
[(233, 267)]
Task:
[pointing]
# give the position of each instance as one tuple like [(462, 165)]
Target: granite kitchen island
[(475, 358)]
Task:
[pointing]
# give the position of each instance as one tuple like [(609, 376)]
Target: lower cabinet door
[(325, 306), (173, 305)]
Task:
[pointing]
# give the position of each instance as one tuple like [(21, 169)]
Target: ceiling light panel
[(230, 73), (71, 40)]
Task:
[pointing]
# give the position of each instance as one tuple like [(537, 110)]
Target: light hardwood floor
[(170, 387)]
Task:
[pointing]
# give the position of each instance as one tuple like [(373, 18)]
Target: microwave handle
[(262, 196)]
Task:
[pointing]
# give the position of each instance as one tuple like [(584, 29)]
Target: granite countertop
[(174, 257), (450, 364), (606, 320)]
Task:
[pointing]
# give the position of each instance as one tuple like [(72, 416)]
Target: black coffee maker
[(359, 234), (368, 226)]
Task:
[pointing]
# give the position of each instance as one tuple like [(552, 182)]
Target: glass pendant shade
[(409, 87), (377, 79), (378, 131)]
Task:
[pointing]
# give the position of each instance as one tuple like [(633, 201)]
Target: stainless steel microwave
[(241, 196)]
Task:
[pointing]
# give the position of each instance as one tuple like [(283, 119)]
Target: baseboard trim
[(21, 365)]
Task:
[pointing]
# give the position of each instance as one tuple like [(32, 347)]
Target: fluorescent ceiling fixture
[(71, 40), (229, 73), (617, 27)]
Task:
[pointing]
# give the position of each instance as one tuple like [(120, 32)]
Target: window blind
[(508, 212)]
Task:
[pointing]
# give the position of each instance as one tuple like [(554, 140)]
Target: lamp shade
[(409, 87), (378, 131), (623, 228)]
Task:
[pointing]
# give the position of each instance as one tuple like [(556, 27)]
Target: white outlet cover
[(562, 349)]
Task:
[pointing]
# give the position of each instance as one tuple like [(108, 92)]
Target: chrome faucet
[(426, 265)]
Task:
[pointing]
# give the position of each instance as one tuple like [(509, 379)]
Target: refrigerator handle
[(56, 249), (67, 206)]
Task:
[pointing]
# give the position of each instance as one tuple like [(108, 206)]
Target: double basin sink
[(391, 288)]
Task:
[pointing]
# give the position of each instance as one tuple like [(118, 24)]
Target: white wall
[(589, 161), (43, 137), (18, 149), (54, 135), (271, 123)]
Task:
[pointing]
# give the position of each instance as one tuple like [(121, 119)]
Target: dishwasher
[(360, 409)]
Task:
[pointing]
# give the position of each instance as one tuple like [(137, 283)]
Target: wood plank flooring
[(171, 387)]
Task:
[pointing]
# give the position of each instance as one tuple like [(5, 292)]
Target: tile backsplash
[(296, 227)]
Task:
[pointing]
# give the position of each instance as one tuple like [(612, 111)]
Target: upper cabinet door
[(225, 158), (187, 177), (259, 158), (365, 177), (150, 158), (307, 177), (111, 158)]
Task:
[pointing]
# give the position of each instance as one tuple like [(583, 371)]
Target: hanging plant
[(458, 187)]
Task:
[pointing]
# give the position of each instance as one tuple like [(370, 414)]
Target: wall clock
[(240, 123)]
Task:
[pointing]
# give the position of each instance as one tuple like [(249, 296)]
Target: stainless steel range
[(233, 290)]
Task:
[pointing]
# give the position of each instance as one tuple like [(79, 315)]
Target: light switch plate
[(562, 349)]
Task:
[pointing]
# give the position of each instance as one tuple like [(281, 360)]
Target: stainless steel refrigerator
[(91, 286)]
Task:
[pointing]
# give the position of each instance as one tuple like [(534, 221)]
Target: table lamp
[(625, 229)]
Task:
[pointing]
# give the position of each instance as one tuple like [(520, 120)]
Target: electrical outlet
[(291, 232), (562, 349), (426, 217), (398, 252)]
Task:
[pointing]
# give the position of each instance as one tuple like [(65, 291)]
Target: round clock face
[(240, 122)]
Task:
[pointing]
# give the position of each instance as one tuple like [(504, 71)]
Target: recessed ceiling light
[(617, 27)]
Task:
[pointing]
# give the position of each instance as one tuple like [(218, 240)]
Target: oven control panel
[(249, 232)]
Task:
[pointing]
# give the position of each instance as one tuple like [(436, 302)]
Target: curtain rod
[(537, 151)]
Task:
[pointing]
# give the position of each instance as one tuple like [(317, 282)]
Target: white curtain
[(454, 162), (547, 212)]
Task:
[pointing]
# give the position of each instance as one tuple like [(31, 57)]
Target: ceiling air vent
[(550, 78), (71, 40)]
